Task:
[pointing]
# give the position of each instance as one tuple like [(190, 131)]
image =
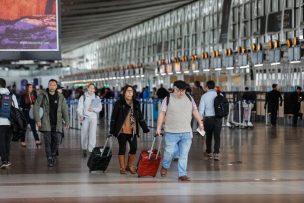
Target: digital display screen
[(29, 25)]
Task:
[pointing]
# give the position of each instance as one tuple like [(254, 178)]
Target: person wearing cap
[(272, 100), (176, 111), (296, 98)]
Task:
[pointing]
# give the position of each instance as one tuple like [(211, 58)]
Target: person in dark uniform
[(249, 96), (162, 92), (272, 100), (296, 98)]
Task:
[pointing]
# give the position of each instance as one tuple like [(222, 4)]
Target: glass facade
[(194, 29)]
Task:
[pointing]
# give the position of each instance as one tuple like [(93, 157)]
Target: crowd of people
[(46, 111)]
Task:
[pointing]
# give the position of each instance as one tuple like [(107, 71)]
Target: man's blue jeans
[(183, 141)]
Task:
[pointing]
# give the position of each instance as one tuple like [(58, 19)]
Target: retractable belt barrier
[(149, 108)]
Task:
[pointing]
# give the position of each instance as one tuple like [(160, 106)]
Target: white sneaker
[(249, 124), (216, 157)]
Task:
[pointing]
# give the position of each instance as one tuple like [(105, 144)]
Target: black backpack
[(5, 105), (221, 106)]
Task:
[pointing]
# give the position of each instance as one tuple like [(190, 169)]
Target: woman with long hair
[(125, 121), (27, 100), (89, 106)]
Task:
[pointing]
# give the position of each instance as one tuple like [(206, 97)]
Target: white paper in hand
[(201, 132)]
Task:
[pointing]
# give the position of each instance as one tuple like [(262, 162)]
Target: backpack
[(189, 97), (18, 120), (5, 105), (221, 106)]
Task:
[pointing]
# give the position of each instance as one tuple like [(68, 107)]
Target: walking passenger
[(296, 98), (125, 121), (213, 124), (89, 106), (176, 111), (5, 134), (27, 100), (272, 100), (162, 92), (55, 110)]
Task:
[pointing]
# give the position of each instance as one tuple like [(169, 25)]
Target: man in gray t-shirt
[(177, 110)]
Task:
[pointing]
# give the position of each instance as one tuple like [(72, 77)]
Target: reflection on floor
[(264, 164)]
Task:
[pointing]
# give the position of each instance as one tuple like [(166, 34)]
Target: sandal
[(122, 171)]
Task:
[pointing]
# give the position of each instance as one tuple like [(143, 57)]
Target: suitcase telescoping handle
[(158, 149), (109, 137)]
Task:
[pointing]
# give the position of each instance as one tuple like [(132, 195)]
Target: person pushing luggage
[(125, 121)]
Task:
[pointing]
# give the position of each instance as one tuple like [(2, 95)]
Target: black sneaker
[(4, 165), (50, 162), (54, 160)]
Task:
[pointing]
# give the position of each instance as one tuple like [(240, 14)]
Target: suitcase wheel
[(138, 176)]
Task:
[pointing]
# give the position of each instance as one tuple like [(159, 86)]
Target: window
[(235, 14), (274, 4), (179, 43), (247, 11), (288, 3), (187, 42), (172, 45), (194, 40), (260, 8)]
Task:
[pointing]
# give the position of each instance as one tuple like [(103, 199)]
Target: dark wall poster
[(287, 22), (274, 22), (262, 24), (29, 25), (225, 21)]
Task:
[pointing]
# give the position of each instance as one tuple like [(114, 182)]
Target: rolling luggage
[(101, 157), (149, 160)]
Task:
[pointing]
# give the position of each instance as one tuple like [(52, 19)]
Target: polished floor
[(263, 164)]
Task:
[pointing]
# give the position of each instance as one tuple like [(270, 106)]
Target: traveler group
[(183, 111)]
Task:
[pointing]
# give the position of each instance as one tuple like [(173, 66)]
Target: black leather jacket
[(119, 114)]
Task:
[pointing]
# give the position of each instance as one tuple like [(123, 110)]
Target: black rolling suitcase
[(101, 157)]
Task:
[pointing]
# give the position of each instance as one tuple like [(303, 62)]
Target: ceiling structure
[(85, 21)]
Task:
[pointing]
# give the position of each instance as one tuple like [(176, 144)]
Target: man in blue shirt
[(213, 125)]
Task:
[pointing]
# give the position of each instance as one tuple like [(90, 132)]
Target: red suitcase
[(149, 160)]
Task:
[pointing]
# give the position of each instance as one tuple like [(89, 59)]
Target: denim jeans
[(183, 141)]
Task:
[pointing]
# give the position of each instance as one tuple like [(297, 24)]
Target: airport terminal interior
[(79, 56)]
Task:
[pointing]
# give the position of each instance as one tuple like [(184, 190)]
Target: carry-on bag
[(101, 156), (149, 160)]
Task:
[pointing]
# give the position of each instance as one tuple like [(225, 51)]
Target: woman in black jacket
[(125, 121), (27, 100)]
